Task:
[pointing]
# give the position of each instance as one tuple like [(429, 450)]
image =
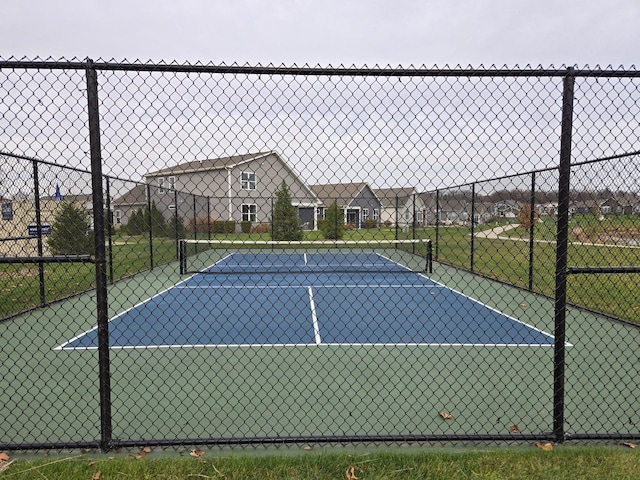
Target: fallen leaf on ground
[(351, 472), (97, 475), (3, 457), (545, 446), (628, 444), (5, 465), (445, 415), (196, 453), (146, 449)]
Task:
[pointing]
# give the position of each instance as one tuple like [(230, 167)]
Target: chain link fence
[(202, 254)]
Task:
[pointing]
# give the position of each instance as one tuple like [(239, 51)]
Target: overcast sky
[(327, 32), (427, 133)]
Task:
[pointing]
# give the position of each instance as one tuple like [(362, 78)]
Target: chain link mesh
[(296, 168)]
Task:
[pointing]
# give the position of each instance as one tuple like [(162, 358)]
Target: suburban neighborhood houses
[(241, 189)]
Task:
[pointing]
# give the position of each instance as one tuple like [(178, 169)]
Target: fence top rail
[(387, 71)]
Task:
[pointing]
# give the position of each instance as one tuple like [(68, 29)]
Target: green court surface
[(49, 395)]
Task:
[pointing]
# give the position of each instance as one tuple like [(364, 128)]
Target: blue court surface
[(278, 299)]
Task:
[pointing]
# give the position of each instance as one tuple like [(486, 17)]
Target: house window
[(118, 217), (249, 212), (365, 214), (376, 214), (248, 181), (163, 186)]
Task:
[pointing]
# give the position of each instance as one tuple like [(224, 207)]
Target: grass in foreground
[(562, 462)]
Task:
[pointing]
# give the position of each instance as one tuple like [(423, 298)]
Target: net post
[(429, 257), (182, 256)]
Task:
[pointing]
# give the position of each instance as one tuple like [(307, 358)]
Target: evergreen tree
[(333, 225), (285, 223), (136, 224), (156, 220), (175, 228), (70, 233)]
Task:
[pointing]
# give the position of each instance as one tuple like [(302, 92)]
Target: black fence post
[(100, 257), (562, 242), (473, 209), (208, 218), (38, 219), (532, 206), (109, 227), (413, 222), (397, 219), (437, 221), (176, 218), (150, 226)]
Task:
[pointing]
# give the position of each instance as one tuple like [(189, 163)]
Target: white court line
[(316, 327), (333, 285), (315, 319), (291, 345)]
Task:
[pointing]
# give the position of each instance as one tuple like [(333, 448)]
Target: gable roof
[(210, 164), (343, 193), (136, 196), (387, 196)]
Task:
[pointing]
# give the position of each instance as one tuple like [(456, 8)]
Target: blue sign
[(33, 230), (7, 211)]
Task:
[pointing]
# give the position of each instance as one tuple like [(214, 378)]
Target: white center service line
[(314, 317)]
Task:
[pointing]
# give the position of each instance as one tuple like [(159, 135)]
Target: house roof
[(341, 193), (209, 164), (136, 196), (387, 196)]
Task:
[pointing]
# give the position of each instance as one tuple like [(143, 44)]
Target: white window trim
[(251, 214), (248, 184)]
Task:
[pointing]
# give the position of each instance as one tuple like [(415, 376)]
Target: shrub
[(370, 223), (333, 225), (70, 234), (175, 228), (261, 228), (223, 226), (285, 221), (200, 225), (245, 226)]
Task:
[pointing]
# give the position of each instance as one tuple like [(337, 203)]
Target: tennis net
[(248, 257)]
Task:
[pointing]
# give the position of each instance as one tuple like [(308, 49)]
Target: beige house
[(401, 206), (240, 188), (19, 227)]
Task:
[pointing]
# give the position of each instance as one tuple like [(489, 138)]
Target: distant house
[(506, 209), (357, 201), (19, 227), (403, 207), (583, 208), (453, 211), (239, 188), (618, 205), (126, 205)]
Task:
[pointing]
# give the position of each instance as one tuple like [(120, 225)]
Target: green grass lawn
[(593, 463), (500, 259)]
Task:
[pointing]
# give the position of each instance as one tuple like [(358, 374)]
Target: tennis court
[(311, 298)]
